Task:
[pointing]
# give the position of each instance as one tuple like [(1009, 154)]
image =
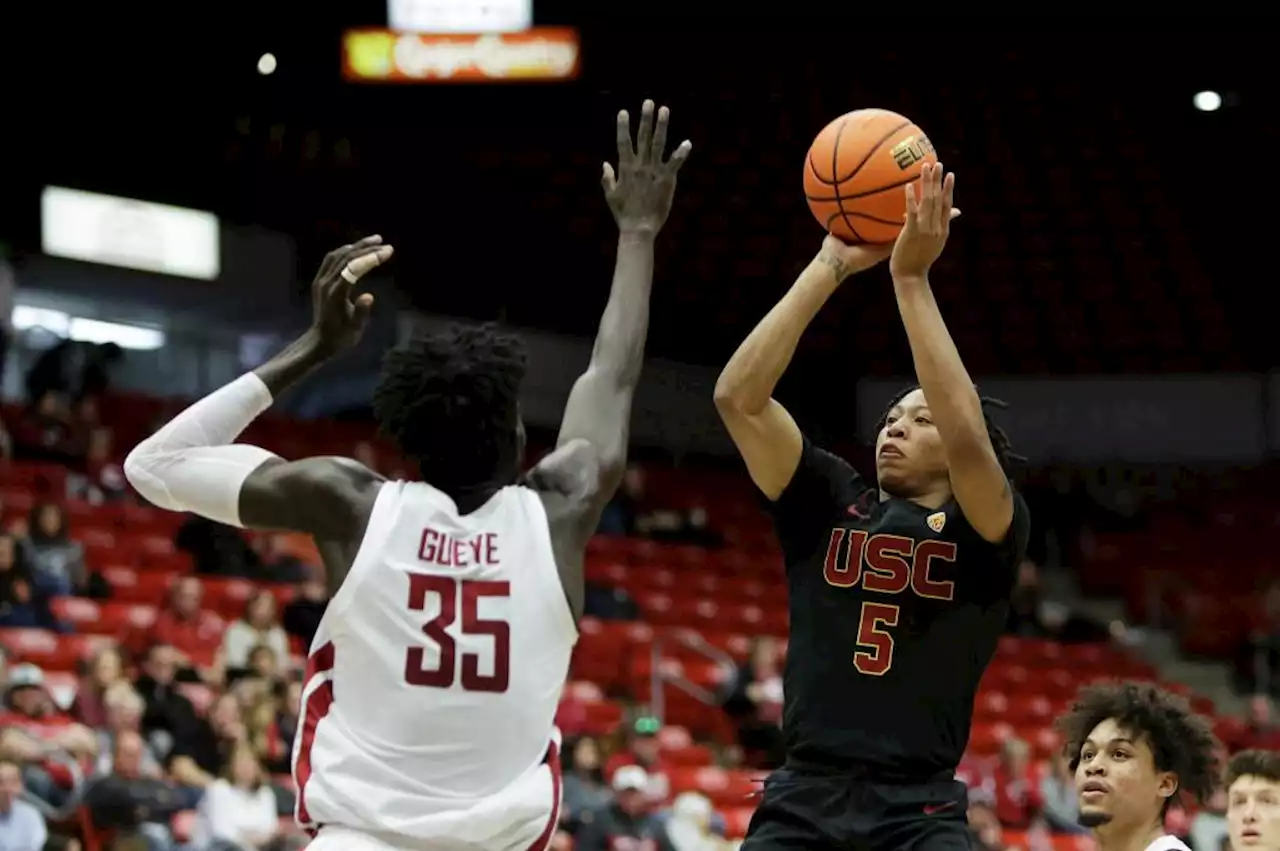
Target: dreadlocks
[(449, 399), (999, 438)]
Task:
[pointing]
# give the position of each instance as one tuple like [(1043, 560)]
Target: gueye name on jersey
[(444, 550), (888, 564)]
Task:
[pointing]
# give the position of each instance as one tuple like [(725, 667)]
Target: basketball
[(855, 171)]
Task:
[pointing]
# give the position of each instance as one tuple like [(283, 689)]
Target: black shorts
[(826, 812)]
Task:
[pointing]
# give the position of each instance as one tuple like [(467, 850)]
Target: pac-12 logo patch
[(936, 520)]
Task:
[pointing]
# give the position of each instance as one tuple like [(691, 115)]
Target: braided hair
[(450, 401), (1008, 459)]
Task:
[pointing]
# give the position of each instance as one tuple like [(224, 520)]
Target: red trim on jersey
[(553, 762), (318, 704)]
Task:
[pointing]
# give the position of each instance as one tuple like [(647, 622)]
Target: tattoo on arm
[(834, 263)]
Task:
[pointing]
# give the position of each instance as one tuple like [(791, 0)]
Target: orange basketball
[(855, 171)]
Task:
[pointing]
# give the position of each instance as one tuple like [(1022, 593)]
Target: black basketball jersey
[(896, 610)]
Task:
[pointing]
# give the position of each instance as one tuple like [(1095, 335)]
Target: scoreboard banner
[(386, 56)]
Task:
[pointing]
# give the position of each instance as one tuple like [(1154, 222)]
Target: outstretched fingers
[(626, 153), (644, 139)]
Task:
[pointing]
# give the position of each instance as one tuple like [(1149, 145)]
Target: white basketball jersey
[(1167, 843), (432, 684)]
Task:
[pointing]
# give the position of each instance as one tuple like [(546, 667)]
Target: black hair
[(999, 438), (1180, 740), (450, 401), (1253, 763)]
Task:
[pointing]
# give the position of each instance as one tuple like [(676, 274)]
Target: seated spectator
[(263, 735), (104, 670), (167, 713), (642, 749), (583, 781), (755, 703), (627, 820), (124, 707), (43, 432), (256, 626), (200, 753), (238, 811), (57, 561), (183, 625), (1260, 729), (289, 711), (284, 559), (20, 606), (690, 824), (217, 549), (22, 827), (132, 801), (1017, 794), (100, 478), (1061, 801), (302, 614)]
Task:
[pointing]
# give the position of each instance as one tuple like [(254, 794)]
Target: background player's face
[(909, 454), (1253, 813), (1117, 779)]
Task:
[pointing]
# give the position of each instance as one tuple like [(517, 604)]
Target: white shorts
[(522, 818)]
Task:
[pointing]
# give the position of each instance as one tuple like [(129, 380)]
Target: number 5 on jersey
[(455, 594), (874, 655)]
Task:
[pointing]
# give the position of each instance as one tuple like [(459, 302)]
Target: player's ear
[(1167, 784)]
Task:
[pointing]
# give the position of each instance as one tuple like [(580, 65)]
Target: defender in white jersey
[(432, 685), (1136, 750)]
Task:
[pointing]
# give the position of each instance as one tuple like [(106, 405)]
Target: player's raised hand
[(930, 211), (846, 260), (640, 192), (338, 320)]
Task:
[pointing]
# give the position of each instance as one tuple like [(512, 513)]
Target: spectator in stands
[(19, 606), (200, 752), (1259, 730), (1061, 802), (57, 561), (101, 478), (626, 514), (627, 819), (95, 375), (6, 442), (238, 811), (301, 617), (124, 708), (42, 432), (583, 782), (182, 623), (1024, 604), (263, 734), (689, 826), (22, 827), (988, 835), (104, 670), (288, 711), (280, 559), (168, 713), (217, 549), (256, 626), (130, 800), (1017, 795), (643, 749), (1209, 825), (754, 701)]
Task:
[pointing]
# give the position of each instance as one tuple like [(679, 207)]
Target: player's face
[(1117, 779), (1253, 813), (909, 455)]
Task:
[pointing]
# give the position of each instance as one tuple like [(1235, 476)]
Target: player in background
[(432, 683), (898, 588), (1134, 749), (1253, 800)]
